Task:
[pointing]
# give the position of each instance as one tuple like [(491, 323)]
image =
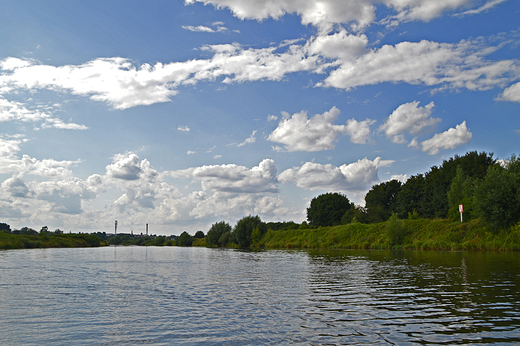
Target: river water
[(199, 296)]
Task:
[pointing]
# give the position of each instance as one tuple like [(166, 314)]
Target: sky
[(180, 114)]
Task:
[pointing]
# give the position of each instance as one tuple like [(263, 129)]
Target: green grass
[(422, 234), (22, 241)]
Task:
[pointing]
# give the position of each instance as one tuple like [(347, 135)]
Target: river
[(199, 296)]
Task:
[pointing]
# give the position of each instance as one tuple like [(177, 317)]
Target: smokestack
[(146, 229)]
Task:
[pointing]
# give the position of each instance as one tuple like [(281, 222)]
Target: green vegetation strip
[(422, 234), (24, 241)]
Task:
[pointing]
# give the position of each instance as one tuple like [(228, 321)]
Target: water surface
[(191, 296)]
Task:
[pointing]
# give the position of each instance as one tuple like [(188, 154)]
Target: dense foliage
[(328, 209), (214, 236), (249, 229)]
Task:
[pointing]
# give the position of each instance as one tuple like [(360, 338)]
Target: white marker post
[(461, 209)]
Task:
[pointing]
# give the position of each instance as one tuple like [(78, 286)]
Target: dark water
[(175, 296)]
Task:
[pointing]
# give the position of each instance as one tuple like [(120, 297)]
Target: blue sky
[(181, 114)]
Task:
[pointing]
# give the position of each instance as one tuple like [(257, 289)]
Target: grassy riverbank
[(422, 234), (24, 241)]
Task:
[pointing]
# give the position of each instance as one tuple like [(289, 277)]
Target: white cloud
[(127, 167), (217, 156), (344, 57), (249, 140), (199, 28), (510, 94), (408, 117), (424, 10), (9, 147), (17, 111), (298, 133), (322, 14), (359, 131), (449, 139), (355, 177), (447, 65), (488, 5), (325, 14), (16, 187), (272, 118), (183, 128), (190, 152), (340, 45), (233, 178)]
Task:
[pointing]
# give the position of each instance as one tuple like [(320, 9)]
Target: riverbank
[(422, 234), (24, 241)]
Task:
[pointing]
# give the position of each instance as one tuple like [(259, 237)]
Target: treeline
[(487, 189), (28, 238)]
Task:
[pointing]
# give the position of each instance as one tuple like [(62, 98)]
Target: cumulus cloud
[(127, 167), (358, 14), (64, 196), (183, 128), (359, 131), (357, 176), (299, 133), (510, 94), (234, 178), (16, 187), (449, 139), (408, 117)]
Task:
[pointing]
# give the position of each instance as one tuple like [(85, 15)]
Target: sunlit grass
[(422, 234)]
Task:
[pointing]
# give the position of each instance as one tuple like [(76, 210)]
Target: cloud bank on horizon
[(359, 86)]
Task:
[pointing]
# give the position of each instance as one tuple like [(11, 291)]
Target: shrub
[(395, 230)]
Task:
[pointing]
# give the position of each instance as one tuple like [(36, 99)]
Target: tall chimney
[(146, 229)]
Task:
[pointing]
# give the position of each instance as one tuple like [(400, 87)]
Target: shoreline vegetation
[(44, 240), (393, 234), (423, 213)]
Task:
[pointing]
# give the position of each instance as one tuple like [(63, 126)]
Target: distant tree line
[(486, 189)]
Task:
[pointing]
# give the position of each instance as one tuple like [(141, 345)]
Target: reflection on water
[(170, 295)]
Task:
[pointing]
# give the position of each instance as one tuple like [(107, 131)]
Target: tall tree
[(328, 209), (381, 200), (497, 197), (216, 231), (245, 227)]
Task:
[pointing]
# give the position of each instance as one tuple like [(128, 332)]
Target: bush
[(184, 240), (395, 230)]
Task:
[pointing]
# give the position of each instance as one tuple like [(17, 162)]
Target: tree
[(245, 227), (461, 192), (199, 235), (410, 197), (5, 228), (328, 209), (184, 239), (497, 197), (381, 200), (215, 233)]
